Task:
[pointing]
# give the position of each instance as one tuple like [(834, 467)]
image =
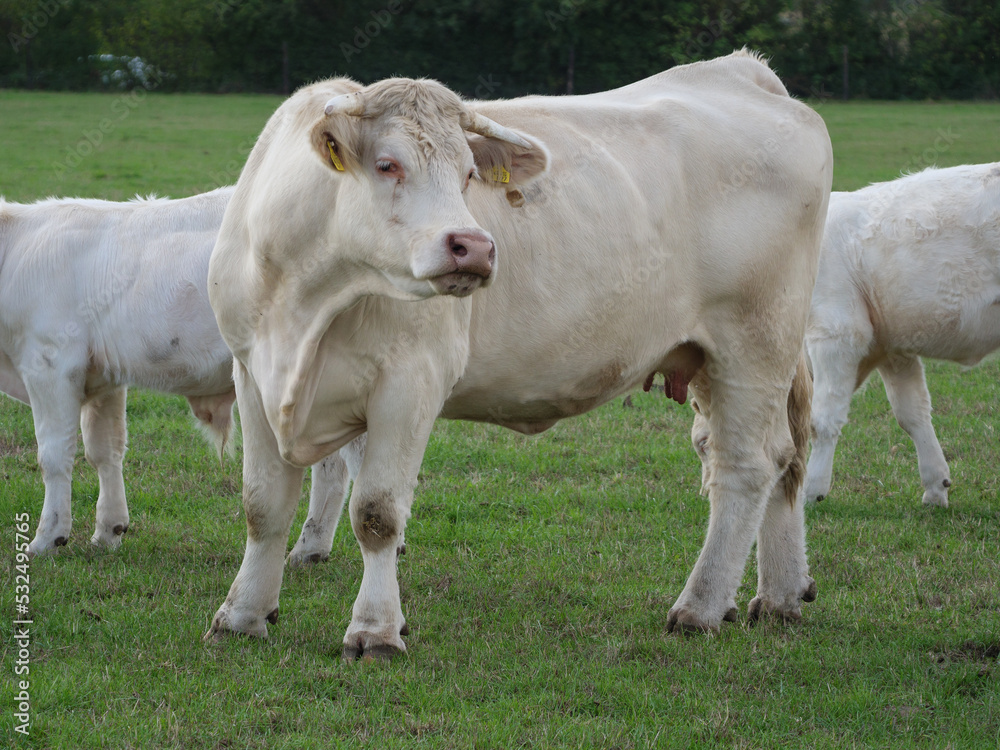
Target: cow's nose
[(473, 252)]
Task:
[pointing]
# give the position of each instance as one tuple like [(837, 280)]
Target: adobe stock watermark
[(34, 22), (121, 108), (222, 7), (567, 11), (22, 626), (363, 35)]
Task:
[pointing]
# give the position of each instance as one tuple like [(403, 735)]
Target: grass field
[(540, 570)]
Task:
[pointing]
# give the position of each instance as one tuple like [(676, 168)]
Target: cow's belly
[(10, 380), (532, 396), (964, 329)]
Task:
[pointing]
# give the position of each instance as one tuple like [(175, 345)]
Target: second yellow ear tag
[(334, 158), (500, 174)]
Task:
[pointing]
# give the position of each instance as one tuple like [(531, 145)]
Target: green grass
[(539, 571)]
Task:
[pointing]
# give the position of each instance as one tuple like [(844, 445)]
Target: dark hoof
[(380, 652), (820, 498), (272, 616), (731, 615), (316, 557), (400, 550), (686, 623), (405, 630), (61, 541), (811, 592)]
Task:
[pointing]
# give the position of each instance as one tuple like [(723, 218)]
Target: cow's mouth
[(457, 284)]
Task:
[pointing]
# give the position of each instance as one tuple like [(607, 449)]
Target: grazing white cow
[(675, 230), (909, 269), (96, 296)]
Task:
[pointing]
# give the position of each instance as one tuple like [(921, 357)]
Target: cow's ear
[(508, 164), (332, 139), (334, 136)]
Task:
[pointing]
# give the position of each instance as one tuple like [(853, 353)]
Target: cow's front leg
[(906, 388), (331, 479), (751, 446), (55, 409), (102, 421), (836, 374), (398, 430), (271, 490)]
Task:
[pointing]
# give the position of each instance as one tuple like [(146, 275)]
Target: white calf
[(96, 296), (909, 269)]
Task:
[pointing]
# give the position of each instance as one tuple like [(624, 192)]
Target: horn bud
[(477, 123), (346, 104)]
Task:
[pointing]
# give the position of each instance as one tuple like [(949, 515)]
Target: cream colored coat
[(675, 230)]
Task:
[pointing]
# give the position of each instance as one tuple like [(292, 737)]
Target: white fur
[(909, 269), (95, 297), (684, 210)]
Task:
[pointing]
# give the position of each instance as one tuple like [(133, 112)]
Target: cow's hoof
[(110, 540), (684, 621), (302, 560), (363, 646), (42, 548), (229, 622), (761, 607), (937, 495)]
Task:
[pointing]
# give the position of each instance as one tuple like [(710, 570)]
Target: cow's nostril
[(459, 250)]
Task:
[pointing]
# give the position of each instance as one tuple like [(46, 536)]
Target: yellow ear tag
[(334, 158), (500, 174)]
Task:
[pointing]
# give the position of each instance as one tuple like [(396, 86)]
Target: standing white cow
[(909, 269), (674, 227), (96, 296)]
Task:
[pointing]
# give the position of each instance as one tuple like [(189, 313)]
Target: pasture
[(539, 570)]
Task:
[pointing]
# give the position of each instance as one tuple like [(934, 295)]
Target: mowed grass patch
[(539, 571), (879, 141)]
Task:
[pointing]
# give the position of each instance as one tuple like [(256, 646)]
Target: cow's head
[(402, 156)]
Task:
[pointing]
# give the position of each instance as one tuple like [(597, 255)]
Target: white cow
[(909, 269), (96, 296), (675, 230)]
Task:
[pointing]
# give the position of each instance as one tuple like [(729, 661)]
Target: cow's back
[(662, 197), (119, 286), (922, 254)]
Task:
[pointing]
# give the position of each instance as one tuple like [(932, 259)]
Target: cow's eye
[(387, 166), (468, 178)]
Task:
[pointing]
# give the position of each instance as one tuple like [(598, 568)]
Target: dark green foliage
[(895, 48)]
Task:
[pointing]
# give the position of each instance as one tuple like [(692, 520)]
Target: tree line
[(884, 49)]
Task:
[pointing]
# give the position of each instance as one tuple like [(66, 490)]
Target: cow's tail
[(799, 421), (215, 418)]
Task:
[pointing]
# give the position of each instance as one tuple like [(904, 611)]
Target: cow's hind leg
[(782, 579), (271, 491), (55, 409), (751, 446), (911, 403), (331, 479), (102, 421)]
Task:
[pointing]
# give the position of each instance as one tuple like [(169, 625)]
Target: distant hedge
[(893, 49)]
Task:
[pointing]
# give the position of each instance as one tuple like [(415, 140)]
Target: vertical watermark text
[(22, 626)]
